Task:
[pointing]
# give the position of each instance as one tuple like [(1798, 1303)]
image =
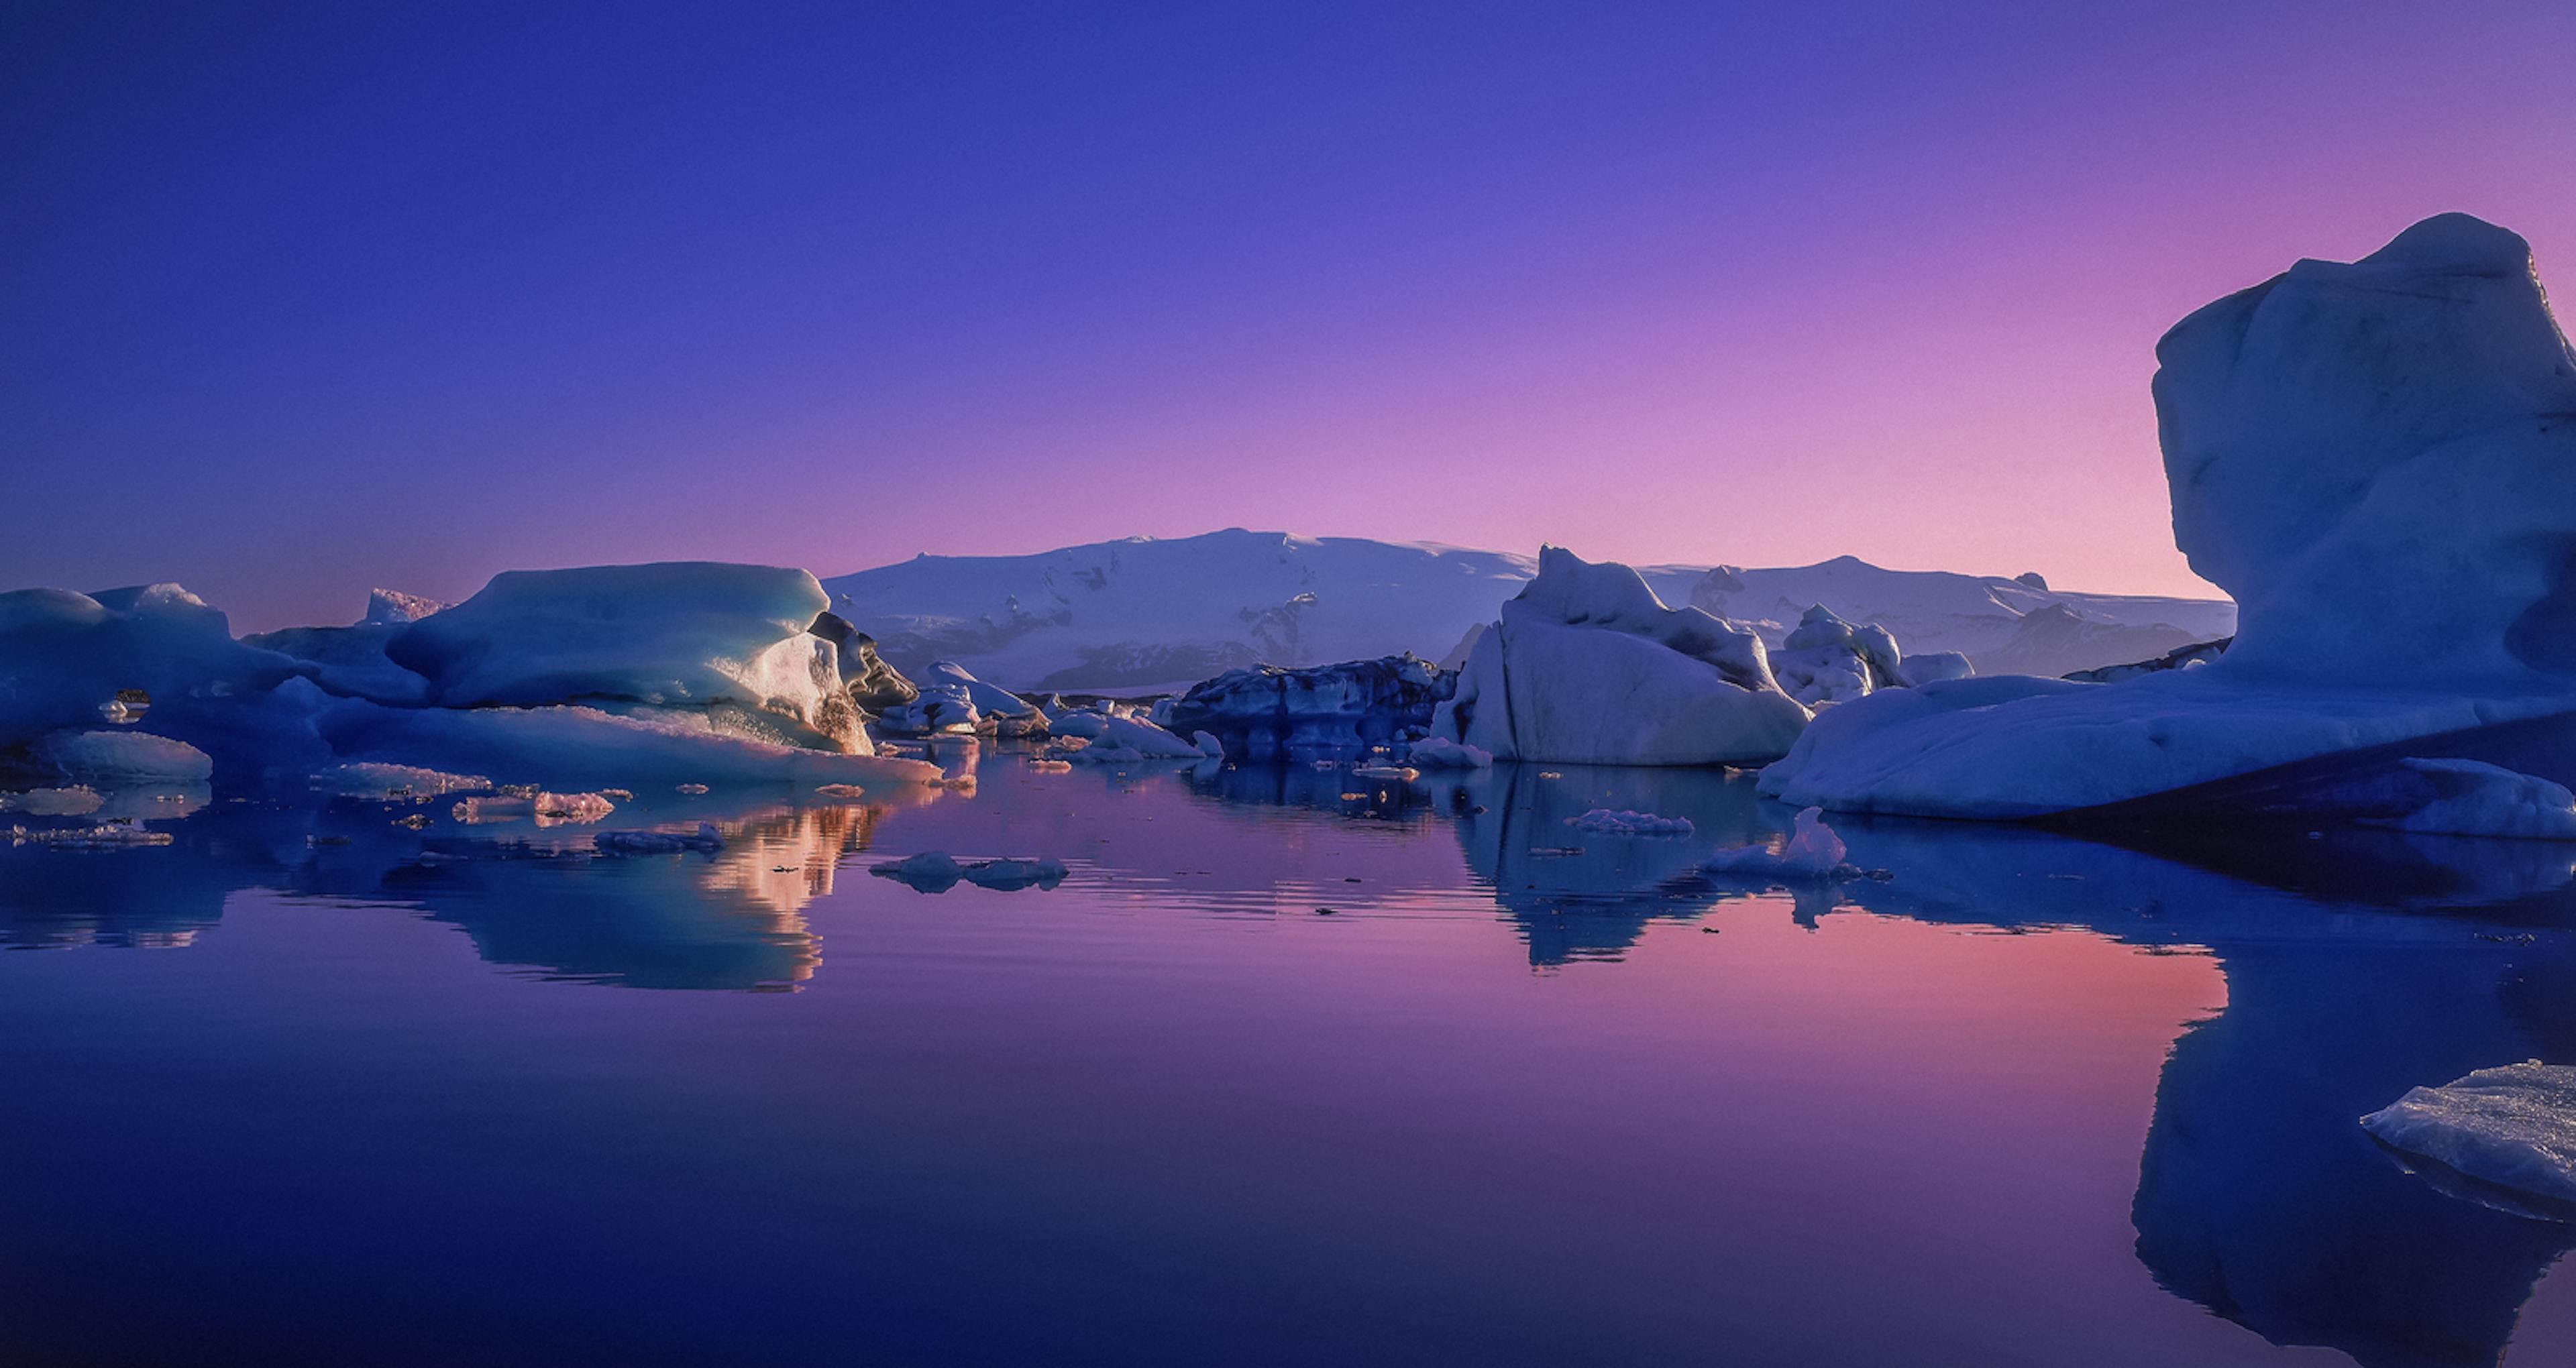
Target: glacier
[(1144, 615), (2378, 460)]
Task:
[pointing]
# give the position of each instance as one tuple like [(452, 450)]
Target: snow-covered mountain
[(2004, 626), (1145, 615)]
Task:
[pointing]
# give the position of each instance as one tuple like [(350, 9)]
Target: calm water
[(1523, 1096)]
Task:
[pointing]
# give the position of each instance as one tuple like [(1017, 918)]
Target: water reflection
[(529, 897), (2356, 964)]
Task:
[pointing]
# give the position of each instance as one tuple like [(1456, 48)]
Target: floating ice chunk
[(547, 809), (1401, 774), (1607, 822), (706, 837), (1812, 851), (105, 836), (2513, 1126), (1439, 752), (936, 871), (1008, 875), (929, 871), (393, 783), (123, 759), (841, 791), (1126, 740)]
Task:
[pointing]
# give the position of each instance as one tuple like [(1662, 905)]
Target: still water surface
[(1522, 1096)]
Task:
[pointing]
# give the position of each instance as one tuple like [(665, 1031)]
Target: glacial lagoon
[(1291, 1067)]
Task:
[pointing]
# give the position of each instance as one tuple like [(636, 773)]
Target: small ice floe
[(693, 788), (936, 871), (548, 809), (1043, 765), (1812, 851), (1127, 741), (841, 791), (658, 842), (1606, 822), (127, 707), (2512, 1128), (1399, 774)]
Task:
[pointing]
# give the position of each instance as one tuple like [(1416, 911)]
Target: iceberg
[(1587, 666), (2513, 1127), (2378, 460), (679, 634), (1827, 660), (69, 661), (351, 661), (1269, 710), (1129, 740)]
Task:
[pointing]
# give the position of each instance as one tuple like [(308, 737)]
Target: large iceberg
[(1324, 708), (681, 634), (351, 661), (2379, 461), (1588, 666), (71, 661), (616, 675)]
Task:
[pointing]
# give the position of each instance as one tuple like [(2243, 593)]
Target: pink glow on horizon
[(1688, 285)]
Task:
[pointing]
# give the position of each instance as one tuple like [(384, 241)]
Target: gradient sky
[(299, 300)]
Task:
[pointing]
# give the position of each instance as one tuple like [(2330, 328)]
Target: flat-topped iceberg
[(2379, 461), (2514, 1127), (682, 634), (1588, 666)]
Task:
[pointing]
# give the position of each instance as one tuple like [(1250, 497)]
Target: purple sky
[(295, 302)]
